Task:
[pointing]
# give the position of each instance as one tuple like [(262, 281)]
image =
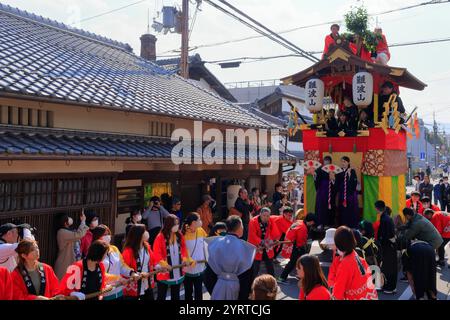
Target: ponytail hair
[(191, 217)]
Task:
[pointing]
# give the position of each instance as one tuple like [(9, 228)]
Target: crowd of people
[(165, 250)]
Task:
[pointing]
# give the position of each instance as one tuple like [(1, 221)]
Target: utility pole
[(184, 63)]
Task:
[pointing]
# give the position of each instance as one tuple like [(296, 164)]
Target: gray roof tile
[(45, 58)]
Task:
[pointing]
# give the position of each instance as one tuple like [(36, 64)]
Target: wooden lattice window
[(46, 193)]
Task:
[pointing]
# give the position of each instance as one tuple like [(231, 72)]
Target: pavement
[(290, 290)]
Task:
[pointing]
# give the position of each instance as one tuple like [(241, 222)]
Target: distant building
[(272, 99), (420, 152)]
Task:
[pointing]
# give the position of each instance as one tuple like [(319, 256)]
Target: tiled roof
[(48, 60), (67, 144)]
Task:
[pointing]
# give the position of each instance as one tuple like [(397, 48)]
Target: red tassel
[(344, 203)]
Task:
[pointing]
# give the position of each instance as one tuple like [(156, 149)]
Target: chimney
[(148, 47)]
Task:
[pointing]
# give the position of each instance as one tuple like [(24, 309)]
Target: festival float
[(377, 154)]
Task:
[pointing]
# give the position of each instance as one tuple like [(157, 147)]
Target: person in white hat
[(328, 243)]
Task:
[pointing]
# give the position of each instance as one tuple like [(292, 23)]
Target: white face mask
[(340, 253), (175, 228), (70, 222), (107, 239), (199, 223), (94, 223), (146, 236), (137, 218)]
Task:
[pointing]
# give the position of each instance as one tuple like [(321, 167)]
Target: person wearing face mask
[(138, 255), (92, 223), (229, 273), (347, 182), (353, 279), (445, 195), (170, 250), (116, 268), (264, 234), (325, 195), (68, 240), (134, 218), (9, 240), (33, 280), (194, 236)]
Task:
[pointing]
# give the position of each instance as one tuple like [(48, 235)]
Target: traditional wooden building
[(85, 123)]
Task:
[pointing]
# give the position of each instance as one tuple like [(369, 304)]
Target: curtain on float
[(391, 190)]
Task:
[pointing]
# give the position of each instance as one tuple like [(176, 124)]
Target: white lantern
[(314, 95), (362, 89)]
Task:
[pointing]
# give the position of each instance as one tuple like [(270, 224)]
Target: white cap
[(329, 237)]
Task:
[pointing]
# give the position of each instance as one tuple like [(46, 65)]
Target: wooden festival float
[(378, 154)]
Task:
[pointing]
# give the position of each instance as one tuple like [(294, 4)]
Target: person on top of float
[(387, 89), (331, 38), (382, 55)]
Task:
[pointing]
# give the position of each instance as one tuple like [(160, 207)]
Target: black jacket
[(244, 208), (445, 192), (386, 230), (426, 190)]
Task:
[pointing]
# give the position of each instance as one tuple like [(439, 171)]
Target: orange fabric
[(441, 222), (382, 46), (254, 235), (409, 204), (298, 233), (328, 42), (6, 284), (333, 269), (68, 279), (350, 283), (282, 223), (376, 226), (160, 254), (130, 260), (318, 293), (20, 289), (206, 216)]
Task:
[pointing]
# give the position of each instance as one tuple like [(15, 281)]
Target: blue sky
[(428, 62)]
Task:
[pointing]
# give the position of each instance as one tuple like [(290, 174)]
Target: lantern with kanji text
[(362, 89), (314, 95)]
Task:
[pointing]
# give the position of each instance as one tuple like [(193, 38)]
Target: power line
[(257, 59), (273, 36), (309, 26), (108, 12), (305, 54)]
